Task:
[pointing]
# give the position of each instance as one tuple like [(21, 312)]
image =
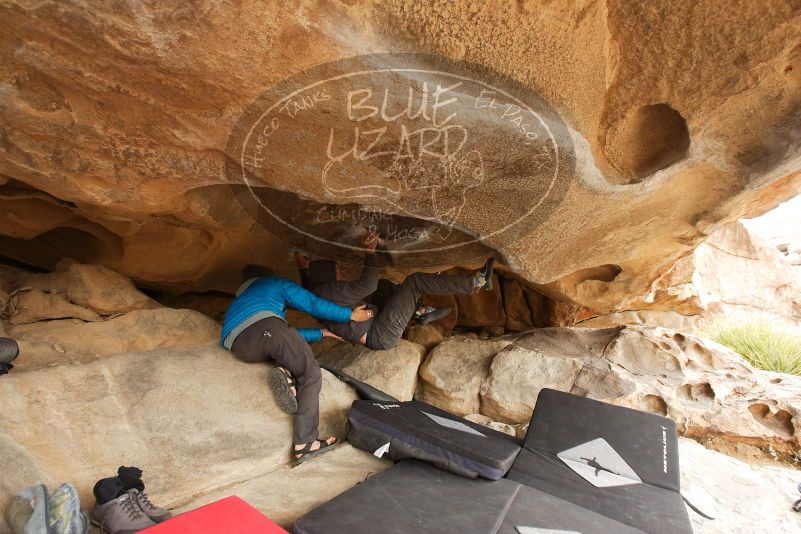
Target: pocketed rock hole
[(779, 422), (654, 404), (647, 140), (702, 392)]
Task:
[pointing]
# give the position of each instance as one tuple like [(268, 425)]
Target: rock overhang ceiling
[(116, 120)]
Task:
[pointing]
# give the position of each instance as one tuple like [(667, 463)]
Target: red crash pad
[(231, 515)]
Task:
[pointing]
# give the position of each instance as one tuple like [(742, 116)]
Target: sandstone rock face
[(780, 228), (428, 336), (103, 290), (484, 308), (35, 305), (393, 371), (743, 498), (73, 341), (453, 371), (512, 430), (195, 420), (93, 288), (52, 328), (712, 394), (733, 271), (668, 319), (541, 308), (516, 377), (515, 305), (738, 270), (286, 494), (79, 291), (121, 163)]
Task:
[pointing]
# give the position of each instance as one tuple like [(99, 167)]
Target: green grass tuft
[(766, 344)]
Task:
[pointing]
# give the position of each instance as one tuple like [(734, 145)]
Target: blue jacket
[(273, 294)]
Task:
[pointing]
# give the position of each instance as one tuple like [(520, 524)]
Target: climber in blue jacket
[(255, 330)]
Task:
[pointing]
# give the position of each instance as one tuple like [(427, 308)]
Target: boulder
[(702, 283), (453, 371), (36, 305), (489, 423), (517, 375), (104, 290), (393, 371), (429, 336), (8, 277), (194, 420), (708, 389), (541, 308), (711, 392), (284, 494), (668, 319), (565, 313), (484, 308), (515, 306), (764, 281), (743, 498), (570, 342), (12, 279), (74, 341)]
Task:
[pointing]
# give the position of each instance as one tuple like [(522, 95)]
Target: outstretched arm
[(306, 301), (316, 334), (303, 267), (367, 282), (311, 334)]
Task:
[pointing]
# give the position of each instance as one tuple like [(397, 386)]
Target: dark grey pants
[(388, 327), (273, 339)]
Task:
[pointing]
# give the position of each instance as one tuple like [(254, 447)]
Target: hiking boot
[(483, 278), (120, 516), (429, 314), (155, 513)]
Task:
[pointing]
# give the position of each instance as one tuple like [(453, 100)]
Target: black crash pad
[(416, 430), (617, 462), (414, 497), (585, 467)]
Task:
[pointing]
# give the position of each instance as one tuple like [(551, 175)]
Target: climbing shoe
[(428, 314), (483, 278)]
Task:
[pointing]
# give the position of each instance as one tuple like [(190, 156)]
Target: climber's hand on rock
[(301, 260), (360, 313), (328, 333), (370, 241)]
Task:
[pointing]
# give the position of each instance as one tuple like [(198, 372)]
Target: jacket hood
[(322, 272)]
